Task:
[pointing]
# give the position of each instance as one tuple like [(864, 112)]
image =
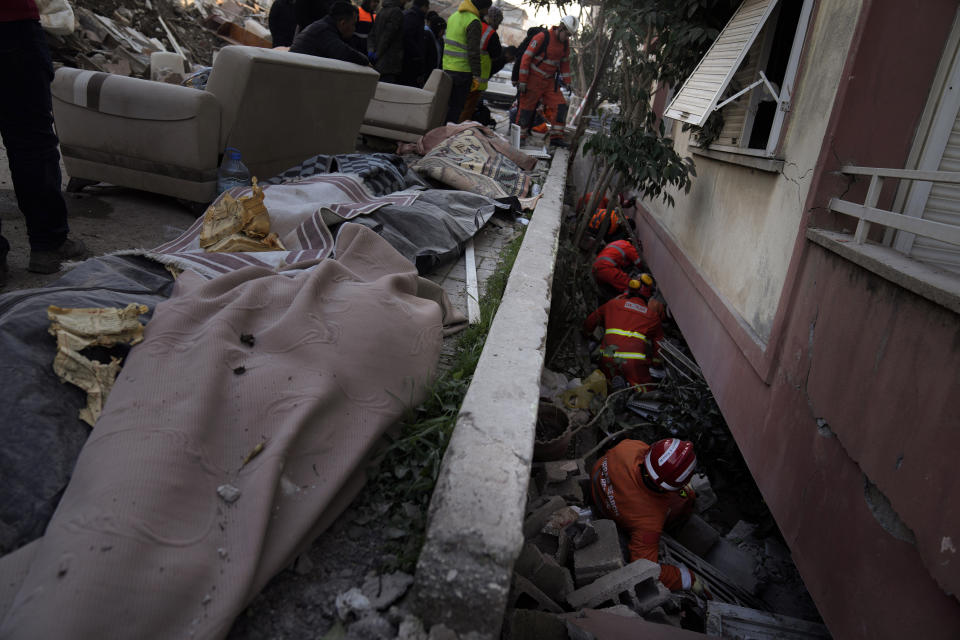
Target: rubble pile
[(118, 36), (573, 562)]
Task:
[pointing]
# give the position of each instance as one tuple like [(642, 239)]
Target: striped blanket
[(299, 214)]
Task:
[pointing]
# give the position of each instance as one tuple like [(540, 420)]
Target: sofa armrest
[(440, 84), (135, 119)]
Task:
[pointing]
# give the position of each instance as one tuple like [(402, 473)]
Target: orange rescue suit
[(539, 72), (610, 266), (634, 327), (621, 495)]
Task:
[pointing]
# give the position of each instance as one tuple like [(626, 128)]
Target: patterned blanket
[(470, 161)]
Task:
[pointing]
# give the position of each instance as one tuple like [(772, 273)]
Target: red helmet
[(670, 463)]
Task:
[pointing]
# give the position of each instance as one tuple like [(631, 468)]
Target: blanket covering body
[(164, 530)]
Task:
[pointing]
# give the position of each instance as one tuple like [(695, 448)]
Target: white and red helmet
[(670, 463)]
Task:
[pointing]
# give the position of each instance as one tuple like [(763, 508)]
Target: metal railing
[(868, 212)]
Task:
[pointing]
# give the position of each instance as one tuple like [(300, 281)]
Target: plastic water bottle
[(232, 171)]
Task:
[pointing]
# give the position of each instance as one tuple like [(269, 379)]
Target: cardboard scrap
[(78, 329), (239, 224)]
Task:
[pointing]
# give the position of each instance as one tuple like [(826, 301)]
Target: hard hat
[(670, 463), (570, 23)]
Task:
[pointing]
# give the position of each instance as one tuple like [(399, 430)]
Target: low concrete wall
[(474, 533)]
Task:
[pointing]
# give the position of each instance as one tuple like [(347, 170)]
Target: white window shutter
[(699, 94)]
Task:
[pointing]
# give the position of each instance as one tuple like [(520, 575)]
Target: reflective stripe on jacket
[(485, 62), (455, 39), (555, 59), (632, 332)]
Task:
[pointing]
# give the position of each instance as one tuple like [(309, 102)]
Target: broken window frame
[(759, 87)]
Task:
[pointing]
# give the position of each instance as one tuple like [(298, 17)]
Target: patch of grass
[(402, 481)]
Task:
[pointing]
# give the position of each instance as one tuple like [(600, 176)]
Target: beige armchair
[(406, 113), (278, 108)]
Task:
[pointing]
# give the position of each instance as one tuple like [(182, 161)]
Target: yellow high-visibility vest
[(455, 42)]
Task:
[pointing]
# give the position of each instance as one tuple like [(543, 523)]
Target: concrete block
[(741, 531), (544, 572), (599, 558), (526, 595), (527, 624), (636, 585), (570, 490), (539, 513), (737, 565), (697, 535)]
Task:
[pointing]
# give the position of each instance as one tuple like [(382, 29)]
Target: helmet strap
[(648, 481)]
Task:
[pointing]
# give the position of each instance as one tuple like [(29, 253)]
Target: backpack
[(531, 32)]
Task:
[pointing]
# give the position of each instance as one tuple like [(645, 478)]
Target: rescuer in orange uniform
[(643, 488), (543, 66), (632, 330), (612, 266)]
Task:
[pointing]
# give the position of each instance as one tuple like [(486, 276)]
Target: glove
[(699, 588), (372, 55), (522, 87), (475, 84)]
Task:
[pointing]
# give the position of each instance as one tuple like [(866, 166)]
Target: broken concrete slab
[(738, 565), (526, 595), (528, 624), (731, 621), (741, 531), (544, 572), (636, 585), (697, 535), (601, 557)]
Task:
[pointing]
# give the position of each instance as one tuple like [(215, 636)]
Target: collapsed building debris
[(119, 37)]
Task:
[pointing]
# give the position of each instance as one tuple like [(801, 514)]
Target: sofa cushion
[(122, 96)]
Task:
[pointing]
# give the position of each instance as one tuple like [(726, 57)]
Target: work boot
[(50, 261)]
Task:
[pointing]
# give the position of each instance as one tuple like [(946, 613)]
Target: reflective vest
[(596, 222), (486, 64), (364, 24), (455, 42)]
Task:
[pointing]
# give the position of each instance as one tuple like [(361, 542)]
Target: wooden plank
[(919, 226), (873, 194), (473, 290), (930, 176)]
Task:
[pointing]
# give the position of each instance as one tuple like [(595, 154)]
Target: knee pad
[(562, 113)]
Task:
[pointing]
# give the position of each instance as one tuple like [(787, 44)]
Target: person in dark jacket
[(413, 71), (282, 22), (433, 33), (386, 41), (309, 11), (26, 125), (329, 37)]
